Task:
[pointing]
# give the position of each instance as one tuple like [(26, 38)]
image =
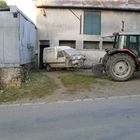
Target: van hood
[(71, 51), (73, 54)]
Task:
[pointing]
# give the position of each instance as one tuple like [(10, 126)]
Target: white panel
[(7, 19), (11, 48), (1, 45), (9, 38)]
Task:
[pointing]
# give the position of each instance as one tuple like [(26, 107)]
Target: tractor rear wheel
[(120, 67)]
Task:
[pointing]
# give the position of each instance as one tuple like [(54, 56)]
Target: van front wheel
[(48, 68)]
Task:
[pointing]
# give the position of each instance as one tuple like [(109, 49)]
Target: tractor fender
[(127, 51)]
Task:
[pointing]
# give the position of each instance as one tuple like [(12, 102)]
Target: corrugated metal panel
[(27, 41), (126, 4)]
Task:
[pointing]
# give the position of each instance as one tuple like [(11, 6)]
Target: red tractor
[(121, 61)]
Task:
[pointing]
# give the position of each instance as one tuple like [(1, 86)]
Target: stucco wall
[(92, 57), (111, 21), (62, 24), (58, 24)]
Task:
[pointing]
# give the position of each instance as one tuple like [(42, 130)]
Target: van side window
[(60, 54)]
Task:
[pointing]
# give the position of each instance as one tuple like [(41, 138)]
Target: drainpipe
[(126, 2)]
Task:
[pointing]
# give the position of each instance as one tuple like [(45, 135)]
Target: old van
[(62, 57)]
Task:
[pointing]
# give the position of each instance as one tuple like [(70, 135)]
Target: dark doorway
[(43, 44)]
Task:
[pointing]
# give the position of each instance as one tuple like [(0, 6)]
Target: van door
[(60, 58)]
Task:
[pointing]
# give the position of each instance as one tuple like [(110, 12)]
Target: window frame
[(93, 15), (95, 45)]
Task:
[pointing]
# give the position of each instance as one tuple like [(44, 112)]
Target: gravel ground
[(104, 88)]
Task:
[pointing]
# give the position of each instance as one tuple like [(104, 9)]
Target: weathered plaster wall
[(62, 24), (111, 21), (92, 57)]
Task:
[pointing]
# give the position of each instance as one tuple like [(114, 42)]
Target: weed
[(77, 80), (37, 85)]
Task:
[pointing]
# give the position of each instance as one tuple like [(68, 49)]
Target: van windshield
[(71, 51)]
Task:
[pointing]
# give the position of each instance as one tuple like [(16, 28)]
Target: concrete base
[(10, 77), (13, 77)]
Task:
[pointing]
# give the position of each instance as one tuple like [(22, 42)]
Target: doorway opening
[(43, 44)]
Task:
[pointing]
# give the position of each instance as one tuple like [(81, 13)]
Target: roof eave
[(4, 9), (91, 7)]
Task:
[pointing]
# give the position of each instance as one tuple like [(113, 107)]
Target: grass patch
[(38, 85), (80, 81)]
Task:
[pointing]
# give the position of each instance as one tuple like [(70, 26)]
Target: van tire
[(48, 68)]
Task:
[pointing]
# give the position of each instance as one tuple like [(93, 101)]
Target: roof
[(14, 9), (4, 9), (131, 33), (105, 4)]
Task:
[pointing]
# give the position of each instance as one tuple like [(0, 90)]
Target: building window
[(91, 45), (71, 43), (92, 23), (107, 44)]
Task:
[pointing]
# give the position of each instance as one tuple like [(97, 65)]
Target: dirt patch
[(69, 85), (102, 88), (36, 86)]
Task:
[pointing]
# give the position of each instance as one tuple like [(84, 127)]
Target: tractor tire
[(105, 58), (120, 67)]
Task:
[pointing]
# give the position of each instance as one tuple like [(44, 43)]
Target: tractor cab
[(127, 42)]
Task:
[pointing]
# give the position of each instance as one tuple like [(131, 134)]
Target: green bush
[(3, 4)]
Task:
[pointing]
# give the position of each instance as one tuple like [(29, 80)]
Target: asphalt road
[(103, 119)]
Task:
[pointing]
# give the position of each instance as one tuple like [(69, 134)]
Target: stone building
[(18, 45), (83, 24)]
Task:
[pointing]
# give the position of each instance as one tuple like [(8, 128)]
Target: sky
[(26, 6)]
